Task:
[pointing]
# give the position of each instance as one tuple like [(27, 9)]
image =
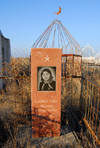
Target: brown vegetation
[(15, 99)]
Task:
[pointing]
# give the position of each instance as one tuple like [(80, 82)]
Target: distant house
[(5, 54)]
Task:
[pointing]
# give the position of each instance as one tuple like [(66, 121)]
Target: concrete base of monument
[(66, 138)]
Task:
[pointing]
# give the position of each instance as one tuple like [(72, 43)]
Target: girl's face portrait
[(45, 76)]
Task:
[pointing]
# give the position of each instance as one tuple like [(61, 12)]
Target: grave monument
[(46, 91)]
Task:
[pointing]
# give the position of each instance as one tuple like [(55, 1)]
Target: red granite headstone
[(46, 91)]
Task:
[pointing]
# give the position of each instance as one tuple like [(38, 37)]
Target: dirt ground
[(24, 139)]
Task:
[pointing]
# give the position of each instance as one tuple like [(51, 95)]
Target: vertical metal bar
[(81, 99), (89, 101), (94, 109), (63, 73), (54, 36), (90, 104), (71, 91), (22, 95), (60, 36), (91, 87), (81, 66), (87, 70), (66, 65), (86, 100), (97, 111), (14, 93), (73, 65)]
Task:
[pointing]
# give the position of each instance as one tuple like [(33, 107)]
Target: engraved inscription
[(45, 101)]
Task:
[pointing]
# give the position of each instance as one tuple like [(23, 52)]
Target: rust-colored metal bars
[(71, 79), (57, 36), (71, 64), (90, 107)]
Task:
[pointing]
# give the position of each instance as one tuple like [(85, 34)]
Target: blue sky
[(23, 21)]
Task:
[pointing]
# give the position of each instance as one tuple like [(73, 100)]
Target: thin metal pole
[(54, 36)]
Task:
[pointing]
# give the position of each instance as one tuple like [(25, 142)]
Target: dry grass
[(15, 99)]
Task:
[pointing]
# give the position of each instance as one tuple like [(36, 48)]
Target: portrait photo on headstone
[(46, 78)]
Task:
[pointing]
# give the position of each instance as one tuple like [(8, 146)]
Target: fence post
[(81, 100)]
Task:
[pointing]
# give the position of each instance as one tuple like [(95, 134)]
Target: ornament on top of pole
[(59, 11)]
